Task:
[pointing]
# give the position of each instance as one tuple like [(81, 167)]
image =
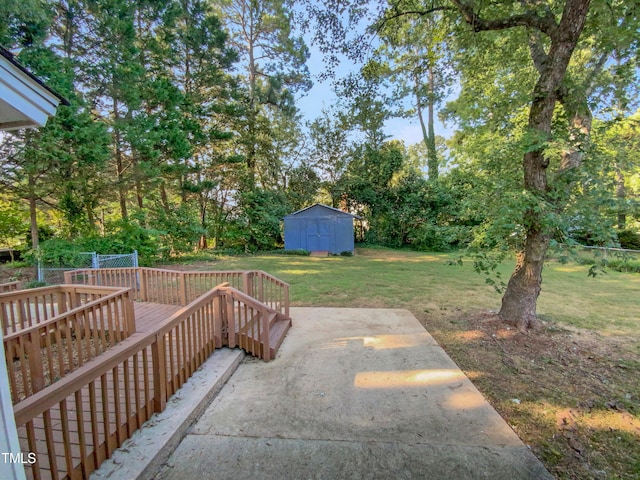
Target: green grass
[(573, 385), (427, 283)]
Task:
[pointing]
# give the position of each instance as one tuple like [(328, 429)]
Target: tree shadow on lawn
[(572, 395)]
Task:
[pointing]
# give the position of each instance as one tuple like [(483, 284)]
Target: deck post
[(129, 312), (217, 321), (231, 321), (35, 361), (247, 283), (159, 374), (286, 300), (142, 287), (182, 287), (265, 317)]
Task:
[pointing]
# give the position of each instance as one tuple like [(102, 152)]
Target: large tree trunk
[(520, 299)]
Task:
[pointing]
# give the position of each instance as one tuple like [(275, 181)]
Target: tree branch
[(538, 54), (397, 13), (545, 23)]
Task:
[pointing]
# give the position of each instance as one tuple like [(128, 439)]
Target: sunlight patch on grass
[(301, 271), (568, 268), (425, 284)]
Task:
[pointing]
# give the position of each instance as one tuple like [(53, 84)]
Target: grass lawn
[(571, 390)]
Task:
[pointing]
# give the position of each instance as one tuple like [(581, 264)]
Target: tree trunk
[(520, 298), (621, 195), (122, 194), (432, 153), (33, 213)]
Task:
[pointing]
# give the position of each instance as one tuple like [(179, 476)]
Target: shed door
[(318, 233)]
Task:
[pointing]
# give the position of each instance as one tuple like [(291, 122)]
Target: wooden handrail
[(178, 287), (9, 286), (178, 346), (66, 341), (25, 308)]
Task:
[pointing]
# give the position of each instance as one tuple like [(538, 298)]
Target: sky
[(322, 96)]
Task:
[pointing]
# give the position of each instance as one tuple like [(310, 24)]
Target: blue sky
[(322, 96)]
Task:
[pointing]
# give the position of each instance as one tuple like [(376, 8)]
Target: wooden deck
[(150, 314), (99, 400), (121, 400)]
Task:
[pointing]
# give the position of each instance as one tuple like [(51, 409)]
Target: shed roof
[(25, 101), (335, 210)]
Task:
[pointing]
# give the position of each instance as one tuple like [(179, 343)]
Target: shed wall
[(319, 229)]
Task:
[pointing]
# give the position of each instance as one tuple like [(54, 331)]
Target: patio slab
[(353, 393)]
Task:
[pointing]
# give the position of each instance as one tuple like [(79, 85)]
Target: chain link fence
[(55, 275)]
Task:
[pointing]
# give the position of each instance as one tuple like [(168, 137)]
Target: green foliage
[(13, 224), (629, 239), (34, 284), (295, 252), (624, 265), (260, 222)]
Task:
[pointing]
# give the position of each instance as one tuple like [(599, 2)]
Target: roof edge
[(325, 206), (11, 58)]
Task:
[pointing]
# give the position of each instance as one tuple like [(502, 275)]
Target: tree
[(415, 58), (559, 26), (330, 151), (274, 64)]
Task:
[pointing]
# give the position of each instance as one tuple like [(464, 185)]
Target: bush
[(299, 251), (626, 266), (34, 284), (629, 239)]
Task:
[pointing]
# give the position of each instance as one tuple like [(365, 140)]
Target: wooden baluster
[(159, 374)]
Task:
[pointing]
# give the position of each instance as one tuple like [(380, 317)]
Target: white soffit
[(23, 102)]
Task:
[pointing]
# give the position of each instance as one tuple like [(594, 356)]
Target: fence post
[(40, 272), (158, 357)]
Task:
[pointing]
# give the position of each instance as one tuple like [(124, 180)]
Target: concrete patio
[(353, 393)]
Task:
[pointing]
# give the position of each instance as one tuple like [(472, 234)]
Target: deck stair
[(252, 332)]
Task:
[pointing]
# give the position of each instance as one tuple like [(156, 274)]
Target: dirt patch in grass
[(572, 395)]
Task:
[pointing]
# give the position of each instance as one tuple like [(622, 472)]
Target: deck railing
[(174, 287), (9, 286), (43, 353), (101, 404), (26, 308)]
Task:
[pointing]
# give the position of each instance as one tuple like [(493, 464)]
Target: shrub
[(34, 284), (627, 266), (629, 239), (299, 251)]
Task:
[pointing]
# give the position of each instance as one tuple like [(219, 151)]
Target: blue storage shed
[(319, 228)]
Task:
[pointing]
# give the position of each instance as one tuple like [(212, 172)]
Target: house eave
[(24, 99)]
